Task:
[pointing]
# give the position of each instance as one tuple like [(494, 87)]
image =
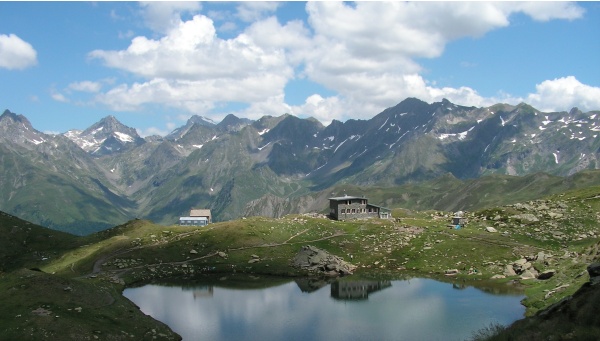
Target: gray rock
[(520, 262), (491, 229), (314, 259), (526, 217), (527, 274), (193, 252), (555, 215), (509, 271), (541, 256)]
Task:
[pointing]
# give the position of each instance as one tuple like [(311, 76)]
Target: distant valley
[(415, 155)]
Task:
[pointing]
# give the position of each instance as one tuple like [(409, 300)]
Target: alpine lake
[(259, 308)]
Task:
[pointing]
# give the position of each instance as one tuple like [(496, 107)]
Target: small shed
[(201, 212), (458, 219)]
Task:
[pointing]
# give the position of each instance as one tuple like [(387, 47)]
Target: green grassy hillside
[(23, 244), (559, 234)]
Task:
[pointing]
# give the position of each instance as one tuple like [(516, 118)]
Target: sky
[(152, 65)]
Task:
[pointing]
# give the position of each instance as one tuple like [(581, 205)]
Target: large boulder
[(509, 271), (319, 261), (526, 218)]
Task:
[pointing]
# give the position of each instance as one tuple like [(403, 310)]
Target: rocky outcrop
[(594, 272), (317, 261), (575, 317)]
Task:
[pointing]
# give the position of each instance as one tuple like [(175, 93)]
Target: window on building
[(343, 210)]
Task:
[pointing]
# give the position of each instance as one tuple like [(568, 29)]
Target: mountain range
[(85, 181)]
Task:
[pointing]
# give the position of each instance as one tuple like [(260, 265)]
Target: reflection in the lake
[(356, 290), (415, 309)]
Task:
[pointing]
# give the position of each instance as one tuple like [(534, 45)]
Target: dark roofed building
[(349, 207)]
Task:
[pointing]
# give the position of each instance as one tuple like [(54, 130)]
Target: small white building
[(197, 217), (193, 221)]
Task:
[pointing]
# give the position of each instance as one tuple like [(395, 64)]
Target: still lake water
[(415, 309)]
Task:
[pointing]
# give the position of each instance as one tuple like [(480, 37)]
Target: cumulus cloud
[(191, 68), (369, 50), (367, 53), (323, 109), (563, 94), (15, 53)]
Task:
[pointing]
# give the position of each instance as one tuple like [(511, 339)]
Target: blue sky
[(65, 65)]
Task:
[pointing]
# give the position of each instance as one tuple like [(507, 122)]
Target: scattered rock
[(316, 260), (526, 217), (253, 260), (222, 254), (41, 312), (498, 276), (451, 272), (546, 274), (541, 256), (193, 252), (491, 229), (509, 271), (527, 274)]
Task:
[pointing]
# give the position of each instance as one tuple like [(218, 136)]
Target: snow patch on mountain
[(123, 137)]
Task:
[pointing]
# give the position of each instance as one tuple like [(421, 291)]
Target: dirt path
[(98, 263)]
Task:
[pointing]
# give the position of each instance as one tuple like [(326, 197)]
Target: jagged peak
[(574, 111), (200, 120), (11, 115), (107, 125), (15, 118)]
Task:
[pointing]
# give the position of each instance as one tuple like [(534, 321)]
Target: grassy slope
[(418, 243), (40, 306), (27, 245)]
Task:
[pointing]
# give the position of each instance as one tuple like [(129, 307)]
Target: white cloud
[(563, 94), (162, 16), (192, 51), (15, 53), (153, 131), (192, 69), (57, 96), (86, 86), (323, 109), (126, 35), (255, 10), (549, 10), (366, 52)]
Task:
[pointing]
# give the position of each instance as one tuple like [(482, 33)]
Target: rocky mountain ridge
[(239, 166)]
